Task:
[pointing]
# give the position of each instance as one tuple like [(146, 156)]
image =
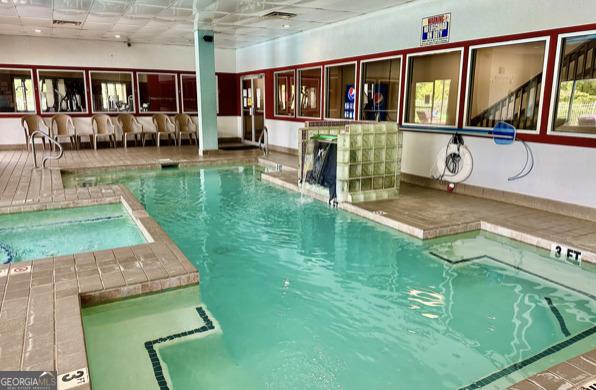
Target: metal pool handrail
[(264, 137), (47, 157)]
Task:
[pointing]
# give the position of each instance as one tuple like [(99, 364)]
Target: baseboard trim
[(282, 149), (13, 147), (549, 205)]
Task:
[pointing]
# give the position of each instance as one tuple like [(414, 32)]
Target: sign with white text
[(435, 29)]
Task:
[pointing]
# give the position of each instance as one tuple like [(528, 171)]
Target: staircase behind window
[(520, 107)]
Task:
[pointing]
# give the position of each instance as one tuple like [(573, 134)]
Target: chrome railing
[(264, 141), (45, 158)]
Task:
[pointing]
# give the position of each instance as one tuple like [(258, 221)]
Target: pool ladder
[(45, 158), (264, 141)]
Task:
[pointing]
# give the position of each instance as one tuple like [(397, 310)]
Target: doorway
[(253, 107)]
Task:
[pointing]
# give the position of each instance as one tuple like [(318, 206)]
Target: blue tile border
[(549, 351), (149, 346), (532, 359), (469, 259), (558, 316)]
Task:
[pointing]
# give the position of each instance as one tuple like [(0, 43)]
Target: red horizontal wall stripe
[(540, 137)]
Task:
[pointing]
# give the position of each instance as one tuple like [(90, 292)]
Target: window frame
[(181, 107), (468, 97), (400, 82), (550, 131), (275, 92), (423, 126), (35, 88), (321, 97), (325, 82), (132, 85), (176, 111), (63, 70)]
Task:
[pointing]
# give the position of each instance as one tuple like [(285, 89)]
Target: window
[(433, 83), (16, 91), (189, 93), (506, 83), (157, 92), (284, 93), (575, 104), (341, 92), (380, 90), (62, 91), (310, 93), (111, 92)]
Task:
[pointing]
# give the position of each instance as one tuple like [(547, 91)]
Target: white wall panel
[(561, 173)]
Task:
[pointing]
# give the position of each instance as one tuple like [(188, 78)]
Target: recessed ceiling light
[(4, 1), (37, 30), (117, 36), (285, 25)]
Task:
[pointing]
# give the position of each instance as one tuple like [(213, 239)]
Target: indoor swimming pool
[(57, 232), (305, 296)]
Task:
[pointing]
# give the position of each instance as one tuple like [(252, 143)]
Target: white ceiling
[(237, 23)]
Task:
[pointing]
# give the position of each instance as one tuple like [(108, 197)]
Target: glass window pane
[(284, 93), (575, 108), (157, 92), (62, 91), (310, 93), (16, 91), (340, 98), (189, 93), (380, 89), (433, 84), (506, 79), (111, 92)]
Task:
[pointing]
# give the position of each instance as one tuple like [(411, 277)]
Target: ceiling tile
[(8, 11), (144, 10), (176, 14), (69, 16), (9, 20), (37, 22), (65, 32), (237, 23), (33, 11), (72, 5), (97, 26), (110, 7)]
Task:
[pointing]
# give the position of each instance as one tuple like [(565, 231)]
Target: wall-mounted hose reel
[(505, 134)]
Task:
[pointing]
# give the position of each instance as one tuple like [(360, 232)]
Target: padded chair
[(103, 128), (31, 124), (185, 126), (62, 126), (164, 126), (131, 127)]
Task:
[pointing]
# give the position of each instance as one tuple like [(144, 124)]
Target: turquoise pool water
[(38, 234), (311, 297)]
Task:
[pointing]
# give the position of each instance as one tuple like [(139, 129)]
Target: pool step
[(167, 163)]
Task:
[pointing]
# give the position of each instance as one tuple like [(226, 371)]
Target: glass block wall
[(368, 159)]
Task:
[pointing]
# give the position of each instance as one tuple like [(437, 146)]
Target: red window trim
[(86, 71), (541, 136)]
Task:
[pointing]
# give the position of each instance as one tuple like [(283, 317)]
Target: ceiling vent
[(279, 15), (66, 23)]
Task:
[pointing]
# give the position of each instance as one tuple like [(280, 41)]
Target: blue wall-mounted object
[(504, 133)]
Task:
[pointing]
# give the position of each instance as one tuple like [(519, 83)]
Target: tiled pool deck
[(40, 301)]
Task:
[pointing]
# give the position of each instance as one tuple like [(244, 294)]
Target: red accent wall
[(228, 85)]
